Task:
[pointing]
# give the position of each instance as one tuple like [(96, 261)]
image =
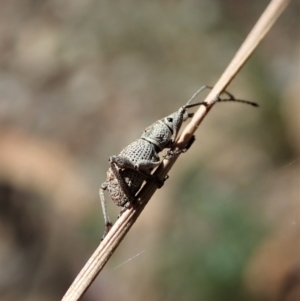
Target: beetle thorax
[(158, 134)]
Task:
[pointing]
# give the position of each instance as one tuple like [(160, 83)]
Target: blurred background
[(79, 80)]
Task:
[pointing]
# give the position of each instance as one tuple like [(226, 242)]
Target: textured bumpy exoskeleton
[(133, 166)]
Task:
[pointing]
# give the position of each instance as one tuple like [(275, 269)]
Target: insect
[(135, 163)]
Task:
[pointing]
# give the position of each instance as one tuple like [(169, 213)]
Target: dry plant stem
[(263, 25), (125, 222)]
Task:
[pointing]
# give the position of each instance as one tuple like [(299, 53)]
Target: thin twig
[(101, 255)]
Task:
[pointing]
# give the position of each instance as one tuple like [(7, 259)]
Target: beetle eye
[(170, 119)]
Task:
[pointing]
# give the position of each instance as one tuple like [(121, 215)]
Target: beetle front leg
[(121, 162), (144, 167), (171, 153)]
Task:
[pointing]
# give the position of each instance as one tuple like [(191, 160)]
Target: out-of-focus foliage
[(81, 79)]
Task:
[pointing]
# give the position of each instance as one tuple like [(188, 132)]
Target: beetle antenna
[(218, 99), (251, 103), (196, 94), (232, 98)]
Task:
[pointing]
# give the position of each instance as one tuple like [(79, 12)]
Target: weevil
[(135, 163)]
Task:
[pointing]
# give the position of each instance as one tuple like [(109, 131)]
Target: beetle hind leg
[(108, 223)]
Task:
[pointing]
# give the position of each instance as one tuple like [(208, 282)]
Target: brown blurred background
[(79, 80)]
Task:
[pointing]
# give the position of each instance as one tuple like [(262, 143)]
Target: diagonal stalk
[(104, 251)]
